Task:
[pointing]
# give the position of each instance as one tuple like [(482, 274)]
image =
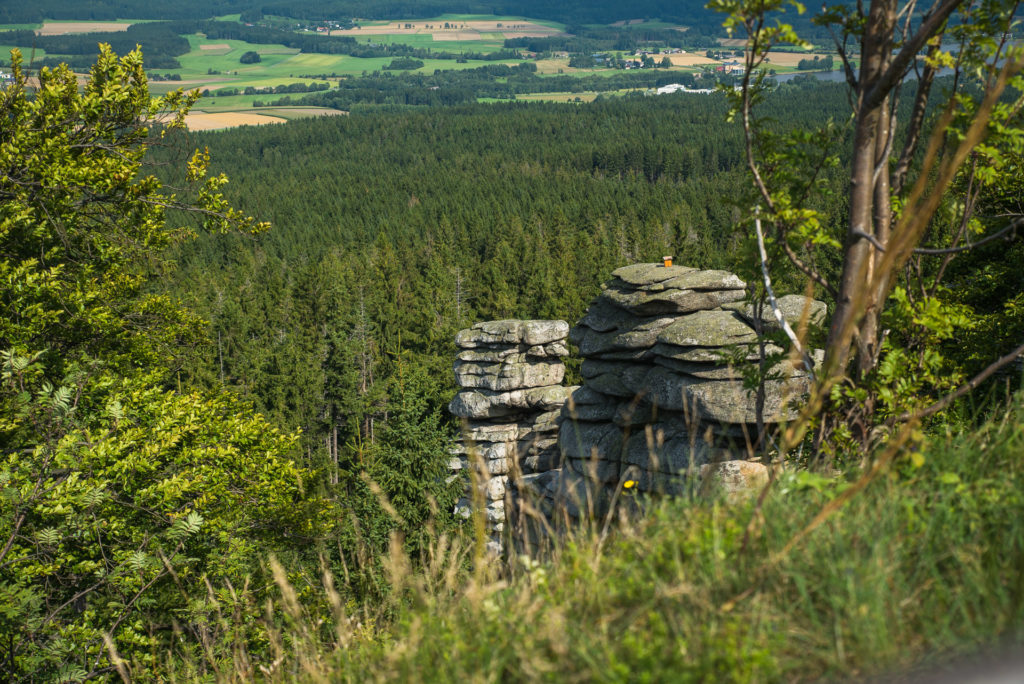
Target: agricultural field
[(464, 32), (691, 59), (207, 121), (27, 53), (278, 65), (213, 65), (647, 24), (586, 96), (63, 28), (461, 27), (19, 27), (218, 120), (791, 59)]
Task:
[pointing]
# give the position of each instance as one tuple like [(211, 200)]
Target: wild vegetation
[(224, 450)]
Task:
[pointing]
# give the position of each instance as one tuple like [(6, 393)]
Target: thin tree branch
[(924, 86), (1012, 228), (807, 270), (851, 77), (898, 66), (808, 361)]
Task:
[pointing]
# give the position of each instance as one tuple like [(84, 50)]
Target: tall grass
[(923, 566)]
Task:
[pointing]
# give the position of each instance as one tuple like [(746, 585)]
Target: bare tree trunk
[(870, 135), (869, 327)]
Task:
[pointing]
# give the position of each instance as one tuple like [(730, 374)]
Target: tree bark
[(870, 135)]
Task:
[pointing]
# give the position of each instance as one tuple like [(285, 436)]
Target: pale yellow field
[(690, 59), (60, 28), (791, 59), (215, 46), (732, 42), (202, 121), (462, 30)]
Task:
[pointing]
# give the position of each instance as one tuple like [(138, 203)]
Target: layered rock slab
[(509, 373), (666, 351)]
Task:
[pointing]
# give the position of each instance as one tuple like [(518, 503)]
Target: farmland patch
[(61, 28), (205, 121)]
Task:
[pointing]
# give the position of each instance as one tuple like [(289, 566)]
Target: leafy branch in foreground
[(119, 499)]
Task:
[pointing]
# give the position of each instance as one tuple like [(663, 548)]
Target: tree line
[(465, 86)]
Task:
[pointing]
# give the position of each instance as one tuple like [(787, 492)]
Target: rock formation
[(510, 375), (665, 351), (665, 401)]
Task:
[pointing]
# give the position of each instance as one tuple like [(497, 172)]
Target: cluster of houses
[(732, 67), (6, 78), (664, 51), (327, 26)]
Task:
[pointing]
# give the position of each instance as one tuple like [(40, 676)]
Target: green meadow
[(279, 65), (28, 54)]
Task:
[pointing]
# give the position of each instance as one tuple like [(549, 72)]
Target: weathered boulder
[(791, 307), (705, 280), (727, 401), (669, 301), (584, 441), (491, 432), (734, 480), (530, 333), (552, 349), (706, 371), (495, 488), (716, 355), (640, 333), (510, 373), (589, 405), (482, 403), (603, 316), (620, 380), (708, 329), (649, 274), (596, 470)]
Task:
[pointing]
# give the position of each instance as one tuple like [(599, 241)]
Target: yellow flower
[(629, 484)]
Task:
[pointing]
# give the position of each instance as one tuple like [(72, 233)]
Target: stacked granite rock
[(510, 375), (664, 352)]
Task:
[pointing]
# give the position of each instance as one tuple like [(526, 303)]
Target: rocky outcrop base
[(510, 375)]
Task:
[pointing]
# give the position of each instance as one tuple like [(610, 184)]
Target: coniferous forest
[(393, 230)]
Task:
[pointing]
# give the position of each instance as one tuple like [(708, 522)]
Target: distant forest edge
[(593, 11)]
